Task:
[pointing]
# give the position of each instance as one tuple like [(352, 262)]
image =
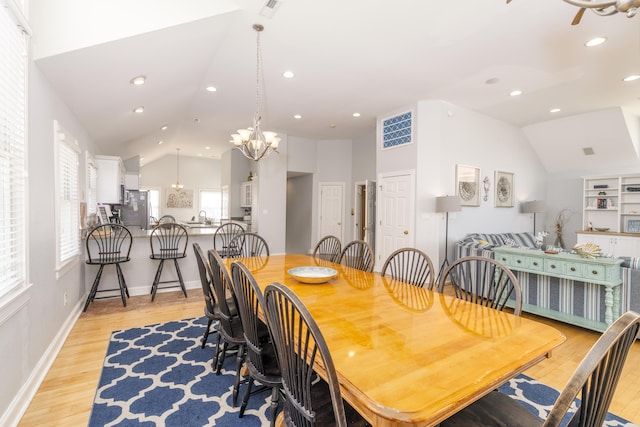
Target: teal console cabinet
[(605, 272)]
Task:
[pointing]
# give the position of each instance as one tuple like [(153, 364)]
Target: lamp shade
[(448, 204), (534, 206)]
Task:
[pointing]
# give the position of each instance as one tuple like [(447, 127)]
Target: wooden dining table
[(408, 356)]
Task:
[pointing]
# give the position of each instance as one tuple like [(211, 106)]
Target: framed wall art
[(504, 189), (179, 198), (468, 185)]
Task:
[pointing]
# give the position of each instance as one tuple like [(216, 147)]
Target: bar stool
[(108, 244), (168, 241)]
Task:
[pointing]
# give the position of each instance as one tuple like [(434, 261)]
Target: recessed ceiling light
[(164, 127), (631, 78), (139, 109), (199, 154), (356, 114), (160, 142), (138, 81), (596, 41), (297, 116), (211, 89), (288, 74), (554, 110), (207, 148), (515, 92)]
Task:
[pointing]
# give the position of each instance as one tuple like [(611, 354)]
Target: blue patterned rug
[(158, 375)]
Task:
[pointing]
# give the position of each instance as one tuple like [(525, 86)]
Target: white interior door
[(396, 201), (370, 214), (331, 210)]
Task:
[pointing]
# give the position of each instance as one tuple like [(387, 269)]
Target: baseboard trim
[(20, 403)]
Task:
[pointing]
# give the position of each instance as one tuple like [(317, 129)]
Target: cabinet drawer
[(574, 269), (536, 264), (594, 272), (552, 266)]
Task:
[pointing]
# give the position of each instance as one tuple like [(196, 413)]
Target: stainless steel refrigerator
[(136, 209)]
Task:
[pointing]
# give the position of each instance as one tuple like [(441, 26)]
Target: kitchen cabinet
[(110, 182), (131, 181), (246, 194)]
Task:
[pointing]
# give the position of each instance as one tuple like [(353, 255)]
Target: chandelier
[(253, 142), (603, 7), (177, 185)]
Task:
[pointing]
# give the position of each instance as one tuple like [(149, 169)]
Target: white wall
[(299, 214), (447, 135), (195, 173), (31, 336)]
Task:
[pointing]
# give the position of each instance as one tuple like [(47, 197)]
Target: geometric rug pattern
[(158, 375)]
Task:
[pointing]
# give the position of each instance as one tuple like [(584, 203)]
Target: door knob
[(406, 232)]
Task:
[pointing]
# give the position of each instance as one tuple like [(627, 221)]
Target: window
[(211, 202), (13, 51), (92, 185), (67, 198)]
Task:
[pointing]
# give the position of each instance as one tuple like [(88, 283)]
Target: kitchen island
[(140, 271)]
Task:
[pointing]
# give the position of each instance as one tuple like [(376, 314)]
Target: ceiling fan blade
[(578, 17)]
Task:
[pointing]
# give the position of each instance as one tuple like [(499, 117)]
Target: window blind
[(67, 198), (13, 51)]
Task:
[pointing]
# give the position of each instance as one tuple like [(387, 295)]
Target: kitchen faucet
[(202, 216)]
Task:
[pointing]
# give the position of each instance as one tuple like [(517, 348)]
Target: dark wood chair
[(247, 245), (261, 360), (164, 219), (483, 281), (358, 254), (223, 236), (211, 308), (328, 249), (594, 382), (108, 244), (230, 328), (411, 266), (168, 242), (301, 348)]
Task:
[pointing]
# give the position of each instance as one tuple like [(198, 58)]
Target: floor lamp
[(534, 206), (446, 204)]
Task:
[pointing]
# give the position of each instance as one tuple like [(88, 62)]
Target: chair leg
[(123, 285), (184, 290), (245, 397), (221, 353), (156, 280), (205, 337), (94, 288), (275, 399), (236, 385)]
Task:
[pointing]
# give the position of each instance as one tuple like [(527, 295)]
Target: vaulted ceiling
[(348, 56)]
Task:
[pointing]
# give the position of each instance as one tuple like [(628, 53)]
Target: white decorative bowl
[(312, 274)]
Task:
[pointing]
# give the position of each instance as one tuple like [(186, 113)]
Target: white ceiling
[(365, 56)]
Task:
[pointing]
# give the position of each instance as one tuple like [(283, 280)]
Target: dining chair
[(168, 242), (594, 382), (108, 244), (223, 236), (230, 328), (328, 249), (410, 265), (164, 219), (211, 309), (261, 360), (358, 254), (247, 245), (484, 281), (302, 350)]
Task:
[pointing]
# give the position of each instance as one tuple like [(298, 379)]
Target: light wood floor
[(65, 397)]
